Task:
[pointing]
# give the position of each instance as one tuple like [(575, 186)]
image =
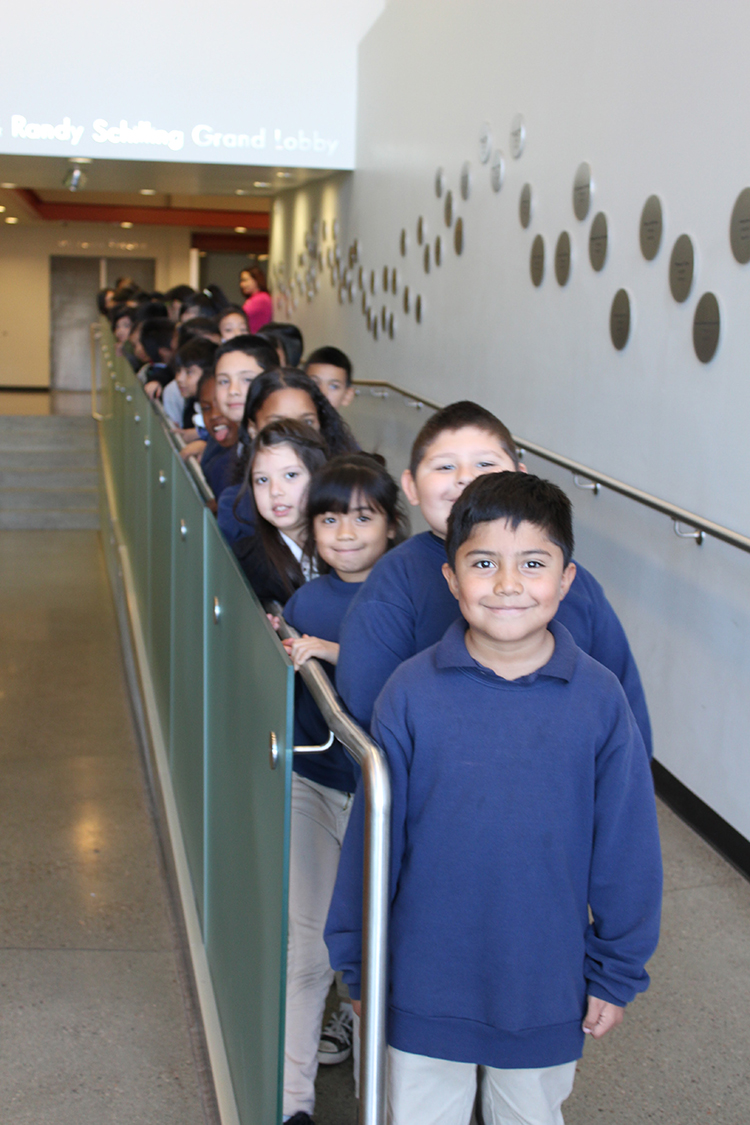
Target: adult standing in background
[(258, 305)]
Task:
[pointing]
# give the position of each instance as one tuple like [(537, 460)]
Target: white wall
[(247, 82), (653, 95), (25, 251)]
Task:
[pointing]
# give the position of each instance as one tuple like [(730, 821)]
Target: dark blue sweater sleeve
[(376, 637)]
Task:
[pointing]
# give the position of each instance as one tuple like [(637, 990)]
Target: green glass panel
[(186, 723), (249, 694), (138, 418), (162, 470)]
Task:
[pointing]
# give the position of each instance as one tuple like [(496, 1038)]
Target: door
[(74, 283)]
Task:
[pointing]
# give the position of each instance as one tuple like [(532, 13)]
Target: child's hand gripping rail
[(377, 792)]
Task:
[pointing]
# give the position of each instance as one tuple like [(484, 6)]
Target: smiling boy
[(522, 800)]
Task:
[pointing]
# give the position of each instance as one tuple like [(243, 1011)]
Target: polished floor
[(95, 1021)]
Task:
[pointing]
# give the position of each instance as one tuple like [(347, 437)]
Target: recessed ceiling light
[(80, 160), (147, 191), (284, 175), (240, 191), (8, 185), (1, 209), (240, 230), (261, 183), (11, 219), (126, 226)]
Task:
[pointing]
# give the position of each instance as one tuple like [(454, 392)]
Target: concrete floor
[(95, 1026)]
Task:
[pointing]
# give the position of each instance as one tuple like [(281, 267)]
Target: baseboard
[(707, 823), (25, 390)]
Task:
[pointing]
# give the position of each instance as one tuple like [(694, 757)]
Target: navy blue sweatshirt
[(406, 605), (219, 465), (516, 805), (318, 608), (236, 525)]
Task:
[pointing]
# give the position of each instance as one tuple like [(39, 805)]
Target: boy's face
[(235, 372), (332, 382), (451, 462), (187, 379), (508, 583), (231, 325), (222, 429)]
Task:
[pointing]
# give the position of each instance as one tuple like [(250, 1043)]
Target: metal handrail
[(676, 514), (377, 794), (192, 463)]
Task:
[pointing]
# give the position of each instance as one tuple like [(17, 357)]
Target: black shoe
[(300, 1118)]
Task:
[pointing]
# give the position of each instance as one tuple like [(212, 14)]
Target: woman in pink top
[(258, 306)]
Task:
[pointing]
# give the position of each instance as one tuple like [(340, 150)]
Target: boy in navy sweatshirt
[(405, 605), (522, 799)]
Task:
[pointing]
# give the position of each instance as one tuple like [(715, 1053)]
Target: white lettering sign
[(301, 142), (143, 133), (33, 131), (204, 136)]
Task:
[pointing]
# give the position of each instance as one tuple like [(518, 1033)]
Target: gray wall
[(652, 95)]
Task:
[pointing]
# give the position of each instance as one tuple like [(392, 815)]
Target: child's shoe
[(336, 1038)]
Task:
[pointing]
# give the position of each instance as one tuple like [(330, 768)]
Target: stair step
[(58, 498), (48, 459), (46, 520), (18, 477)]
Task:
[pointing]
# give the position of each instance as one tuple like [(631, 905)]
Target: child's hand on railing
[(153, 389), (275, 621), (301, 649)]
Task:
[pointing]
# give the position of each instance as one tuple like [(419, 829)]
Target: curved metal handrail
[(377, 793), (678, 515), (177, 440)]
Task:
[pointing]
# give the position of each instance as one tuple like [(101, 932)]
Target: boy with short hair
[(332, 371), (405, 605), (522, 799), (191, 361)]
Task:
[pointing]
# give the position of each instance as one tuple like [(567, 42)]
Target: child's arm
[(301, 649), (601, 1017), (192, 449)]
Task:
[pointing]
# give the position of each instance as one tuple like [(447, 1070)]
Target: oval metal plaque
[(598, 241), (525, 206), (619, 319), (391, 326), (562, 259), (324, 230), (651, 227), (403, 243), (426, 258), (681, 268), (394, 281), (373, 282), (361, 277), (458, 236), (439, 183), (336, 228), (517, 136), (537, 261), (739, 228), (706, 328), (374, 327), (497, 170), (418, 309), (485, 142), (407, 301), (384, 318), (466, 181), (386, 275), (364, 301), (369, 318), (582, 191), (448, 209), (438, 251), (421, 225)]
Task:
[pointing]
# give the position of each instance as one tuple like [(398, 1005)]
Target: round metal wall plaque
[(391, 326), (739, 228), (681, 267), (458, 236), (361, 277), (524, 206), (394, 281), (373, 282), (598, 241), (497, 170), (438, 251), (324, 230), (384, 318), (537, 260), (562, 259), (448, 209), (386, 275), (336, 228), (374, 327), (369, 318), (403, 243), (619, 319), (421, 225), (582, 191), (439, 183), (426, 258), (329, 258), (418, 309), (485, 142), (652, 225), (517, 136), (466, 181), (706, 328), (407, 301), (355, 249)]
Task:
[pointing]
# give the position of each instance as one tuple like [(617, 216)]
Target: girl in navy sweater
[(353, 516)]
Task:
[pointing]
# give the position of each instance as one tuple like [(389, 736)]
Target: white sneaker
[(335, 1044)]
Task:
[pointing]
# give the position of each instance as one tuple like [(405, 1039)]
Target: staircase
[(48, 473)]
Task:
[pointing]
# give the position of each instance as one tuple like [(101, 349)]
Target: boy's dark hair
[(255, 346), (334, 430), (101, 299), (455, 417), (197, 326), (290, 338), (179, 293), (517, 498), (206, 377), (335, 485), (335, 358), (231, 309), (118, 312), (198, 352), (155, 334), (150, 310)]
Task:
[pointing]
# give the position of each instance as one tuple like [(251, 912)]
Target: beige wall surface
[(25, 252)]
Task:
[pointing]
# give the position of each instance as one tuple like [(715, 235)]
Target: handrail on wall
[(593, 480), (377, 794)]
